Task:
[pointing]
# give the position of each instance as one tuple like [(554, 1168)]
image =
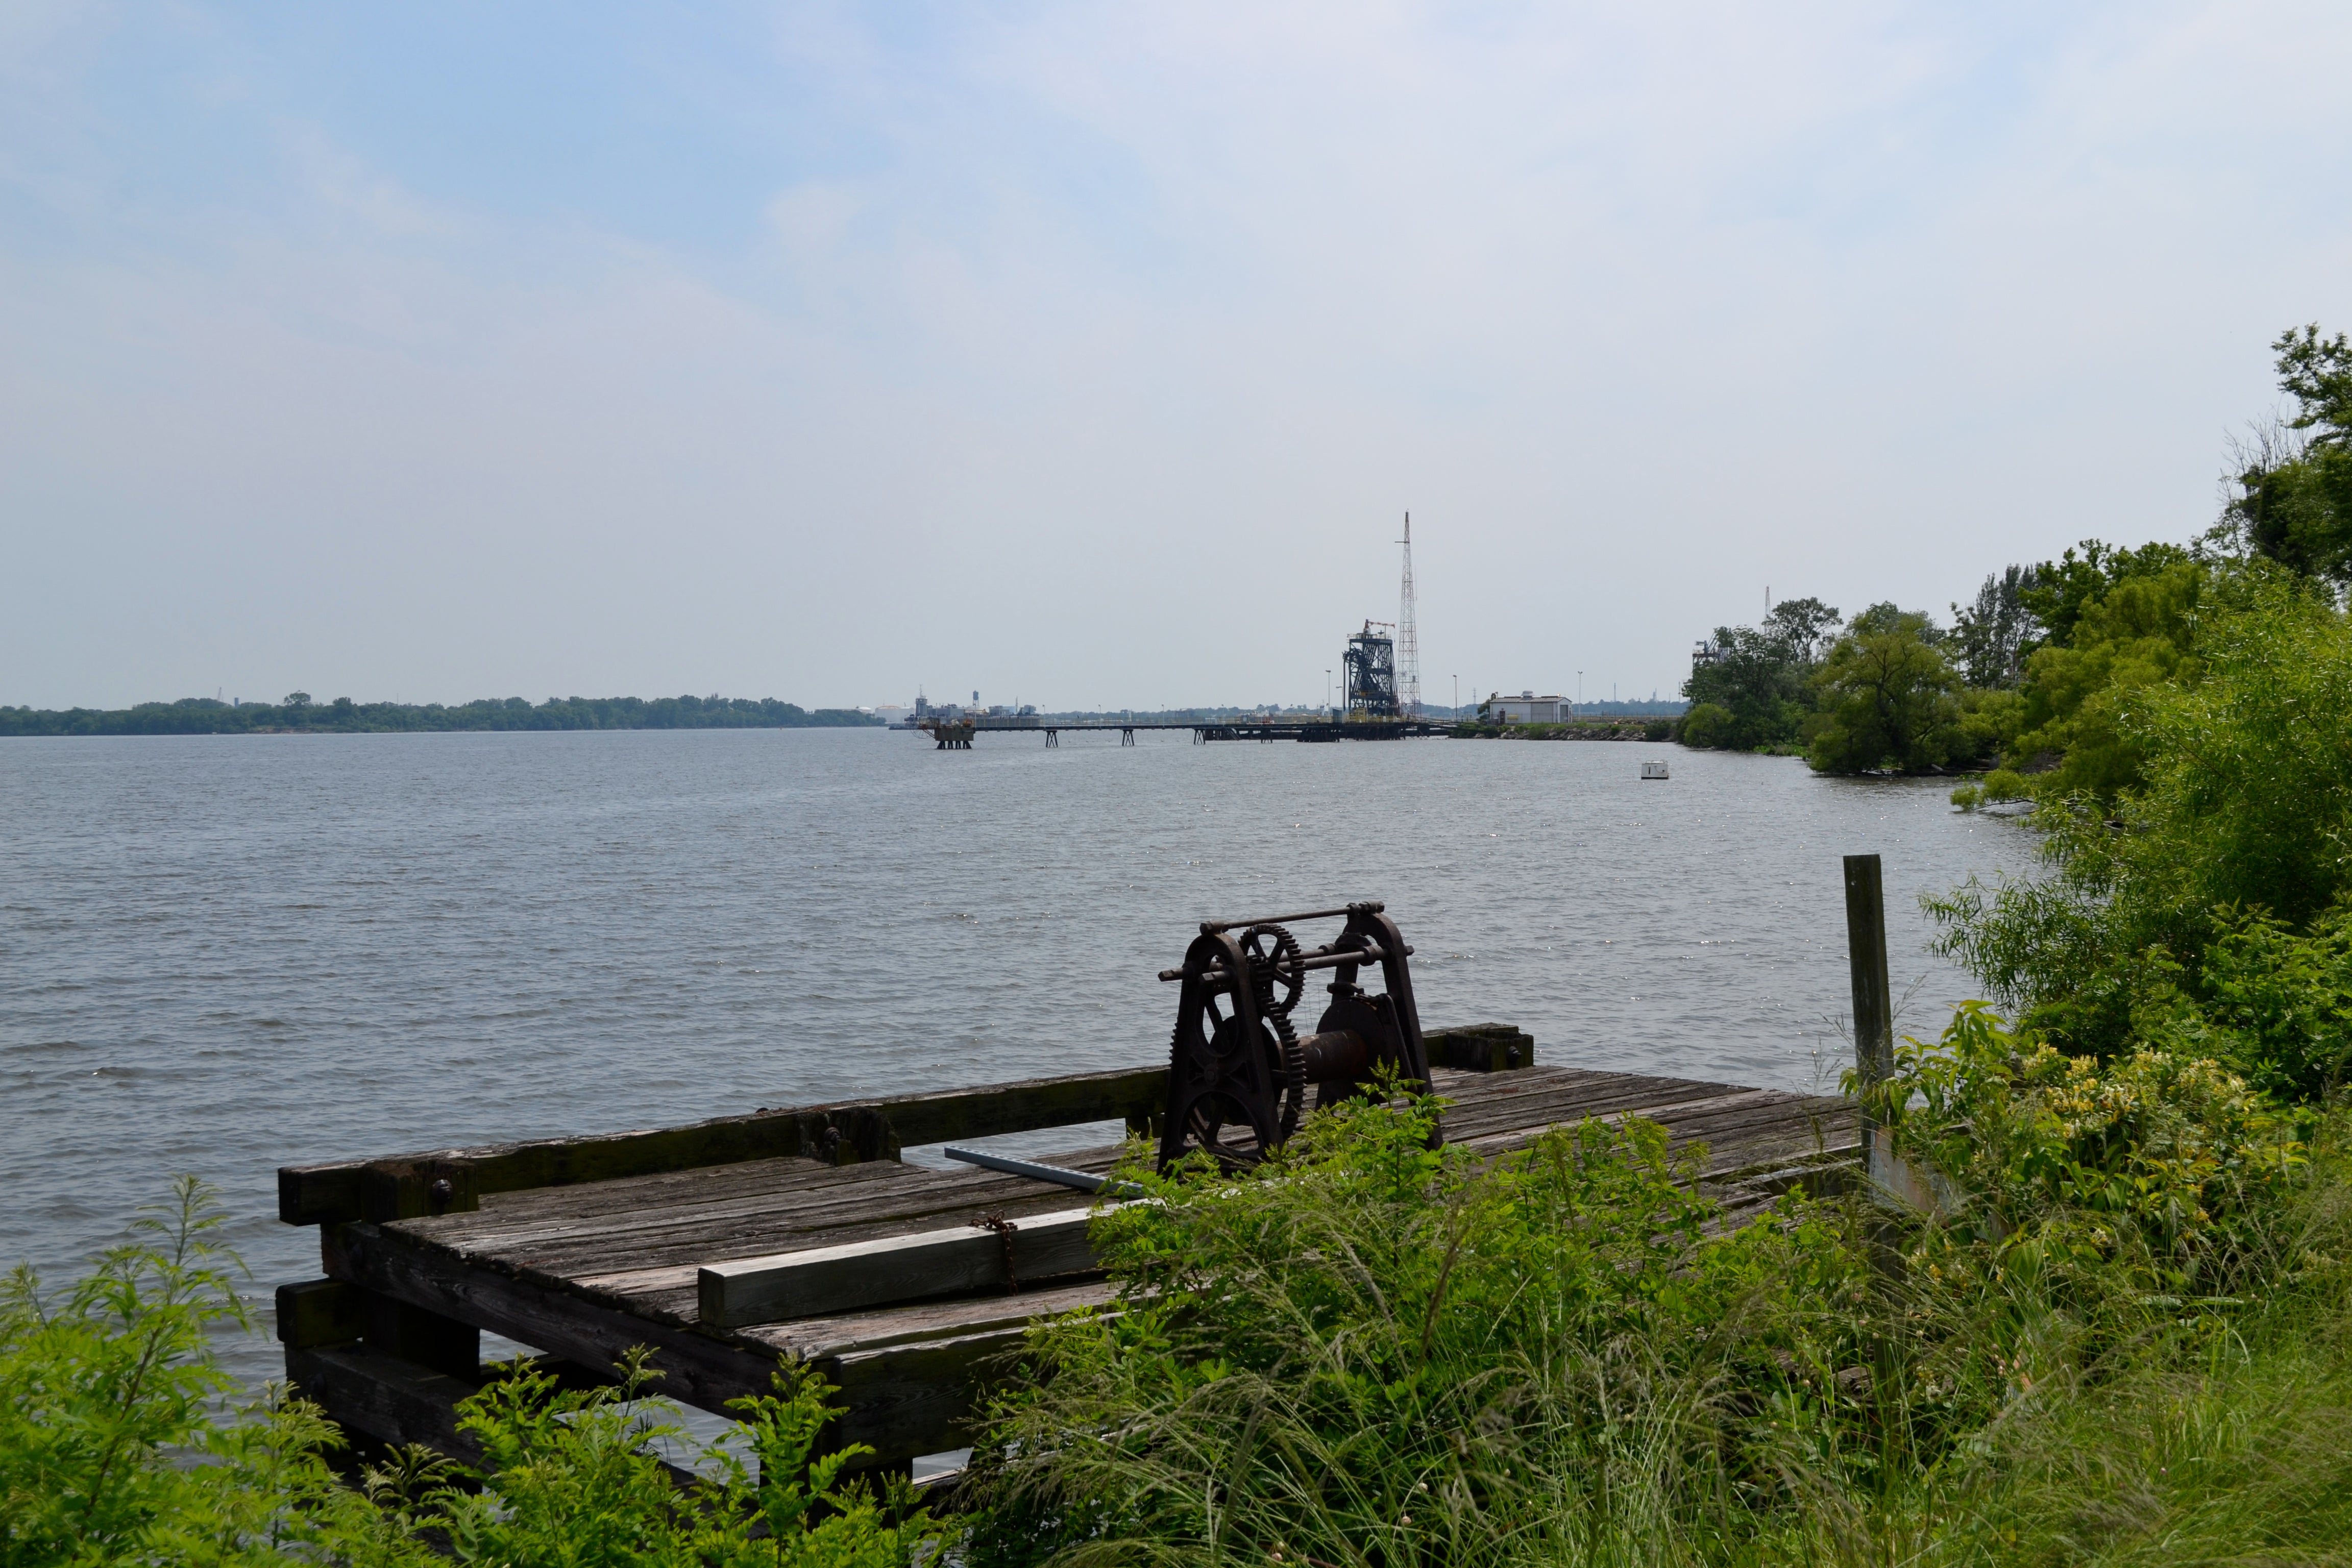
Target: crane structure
[(1369, 689), (1408, 639)]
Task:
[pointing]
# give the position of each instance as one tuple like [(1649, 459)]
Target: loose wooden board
[(814, 1282)]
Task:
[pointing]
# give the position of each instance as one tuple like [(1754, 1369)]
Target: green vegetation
[(2224, 858), (2125, 1339), (2041, 673), (298, 714), (2294, 481), (114, 1448), (1757, 688)]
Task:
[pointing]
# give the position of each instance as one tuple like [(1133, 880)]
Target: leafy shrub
[(2167, 1153), (113, 1448), (574, 1476), (1709, 726), (2277, 1006), (2134, 635), (111, 1444), (2002, 784)]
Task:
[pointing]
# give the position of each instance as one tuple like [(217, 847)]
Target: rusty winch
[(1238, 1070)]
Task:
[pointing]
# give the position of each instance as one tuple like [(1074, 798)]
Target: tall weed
[(1369, 1351)]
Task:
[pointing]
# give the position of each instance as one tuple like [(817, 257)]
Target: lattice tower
[(1408, 644)]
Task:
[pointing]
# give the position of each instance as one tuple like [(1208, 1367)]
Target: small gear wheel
[(1274, 962)]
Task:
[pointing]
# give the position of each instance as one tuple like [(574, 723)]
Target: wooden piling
[(1874, 996)]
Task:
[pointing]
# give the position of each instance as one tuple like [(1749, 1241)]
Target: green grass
[(1374, 1354)]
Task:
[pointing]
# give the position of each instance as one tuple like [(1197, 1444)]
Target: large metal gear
[(1238, 1069)]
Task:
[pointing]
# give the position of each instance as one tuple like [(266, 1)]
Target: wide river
[(221, 954)]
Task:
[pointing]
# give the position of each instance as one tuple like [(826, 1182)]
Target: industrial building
[(1528, 708)]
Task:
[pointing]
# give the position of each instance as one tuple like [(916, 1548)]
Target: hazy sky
[(1090, 354)]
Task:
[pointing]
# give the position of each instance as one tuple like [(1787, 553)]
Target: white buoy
[(1654, 770)]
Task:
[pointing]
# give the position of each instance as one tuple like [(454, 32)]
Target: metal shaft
[(1212, 927), (1061, 1176), (1321, 958)]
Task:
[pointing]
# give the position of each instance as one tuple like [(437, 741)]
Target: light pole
[(1327, 691)]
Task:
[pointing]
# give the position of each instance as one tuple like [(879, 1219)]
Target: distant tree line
[(299, 714), (2035, 674)]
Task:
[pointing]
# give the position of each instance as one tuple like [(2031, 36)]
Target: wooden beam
[(451, 1180), (821, 1279), (383, 1397), (903, 1400), (312, 1194), (1481, 1048), (403, 1186), (1124, 1094), (420, 1336), (320, 1313), (696, 1368), (396, 1403)]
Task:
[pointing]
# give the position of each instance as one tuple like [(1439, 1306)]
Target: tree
[(1802, 625), (1885, 697), (1991, 638), (2136, 635), (2294, 500), (2317, 373), (2063, 589), (1757, 678)]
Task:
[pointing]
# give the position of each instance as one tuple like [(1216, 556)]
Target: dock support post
[(1874, 997)]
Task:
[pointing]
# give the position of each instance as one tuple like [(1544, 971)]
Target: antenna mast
[(1408, 647)]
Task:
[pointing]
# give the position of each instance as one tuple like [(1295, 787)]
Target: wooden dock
[(582, 1247)]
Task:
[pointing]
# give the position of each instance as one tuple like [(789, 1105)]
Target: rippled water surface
[(223, 954)]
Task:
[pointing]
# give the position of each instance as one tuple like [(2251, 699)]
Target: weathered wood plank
[(1568, 1105), (817, 1280), (1750, 1117), (307, 1194), (423, 1338), (909, 1322), (684, 1201), (918, 1398), (957, 1114), (700, 1183), (741, 1231), (402, 1186), (396, 1403)]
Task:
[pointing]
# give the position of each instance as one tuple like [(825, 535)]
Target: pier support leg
[(425, 1338), (1874, 997)]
